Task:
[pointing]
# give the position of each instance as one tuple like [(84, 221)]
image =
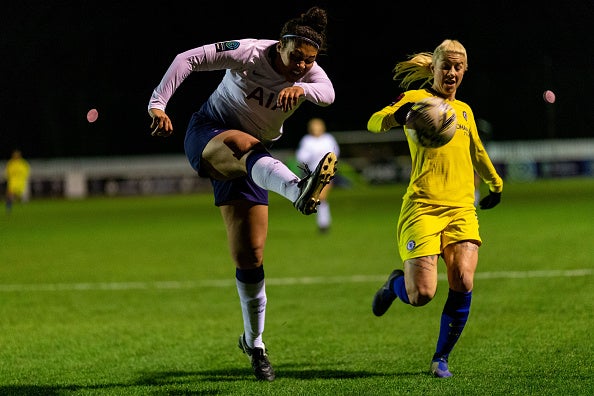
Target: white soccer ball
[(431, 122)]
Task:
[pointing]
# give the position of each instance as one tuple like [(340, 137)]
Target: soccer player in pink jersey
[(228, 138)]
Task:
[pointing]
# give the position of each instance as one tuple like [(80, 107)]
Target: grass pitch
[(136, 296)]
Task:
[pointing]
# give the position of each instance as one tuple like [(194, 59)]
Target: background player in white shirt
[(226, 140), (312, 147)]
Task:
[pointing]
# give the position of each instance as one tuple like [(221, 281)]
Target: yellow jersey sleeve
[(383, 120)]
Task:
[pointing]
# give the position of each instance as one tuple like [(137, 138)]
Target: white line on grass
[(272, 281)]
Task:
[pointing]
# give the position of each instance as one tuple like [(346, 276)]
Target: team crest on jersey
[(410, 245), (227, 46), (465, 115)]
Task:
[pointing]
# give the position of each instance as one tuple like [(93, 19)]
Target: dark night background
[(62, 58)]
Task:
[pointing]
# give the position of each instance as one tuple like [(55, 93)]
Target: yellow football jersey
[(17, 175), (443, 175)]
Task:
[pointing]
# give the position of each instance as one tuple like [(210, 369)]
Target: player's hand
[(490, 200), (289, 97), (161, 124)]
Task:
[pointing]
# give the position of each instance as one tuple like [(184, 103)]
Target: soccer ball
[(431, 122)]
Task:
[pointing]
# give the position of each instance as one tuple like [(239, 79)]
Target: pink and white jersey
[(247, 95)]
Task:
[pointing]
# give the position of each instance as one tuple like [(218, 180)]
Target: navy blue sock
[(399, 289), (254, 275), (453, 319)]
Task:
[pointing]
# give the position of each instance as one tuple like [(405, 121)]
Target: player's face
[(448, 74), (295, 60)]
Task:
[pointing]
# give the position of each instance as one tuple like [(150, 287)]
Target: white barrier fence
[(384, 158), (377, 158), (141, 175)]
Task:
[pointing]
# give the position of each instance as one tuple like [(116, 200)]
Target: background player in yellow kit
[(17, 177), (438, 216)]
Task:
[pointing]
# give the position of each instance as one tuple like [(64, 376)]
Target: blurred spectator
[(17, 179)]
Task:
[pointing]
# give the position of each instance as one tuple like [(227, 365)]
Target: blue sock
[(399, 289), (254, 275), (453, 319)]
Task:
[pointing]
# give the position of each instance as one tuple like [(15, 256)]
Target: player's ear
[(279, 47)]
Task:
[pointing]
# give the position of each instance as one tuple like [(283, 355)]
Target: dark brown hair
[(309, 27)]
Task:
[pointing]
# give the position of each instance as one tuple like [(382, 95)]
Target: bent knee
[(421, 297), (419, 301)]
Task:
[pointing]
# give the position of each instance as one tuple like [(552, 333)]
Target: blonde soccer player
[(438, 217)]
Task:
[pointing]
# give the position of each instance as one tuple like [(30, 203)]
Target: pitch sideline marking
[(273, 281)]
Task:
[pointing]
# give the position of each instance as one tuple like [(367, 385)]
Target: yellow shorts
[(425, 230), (17, 187)]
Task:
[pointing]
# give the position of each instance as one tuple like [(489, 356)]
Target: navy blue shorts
[(201, 129)]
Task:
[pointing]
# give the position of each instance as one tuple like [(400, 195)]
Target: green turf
[(136, 296)]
